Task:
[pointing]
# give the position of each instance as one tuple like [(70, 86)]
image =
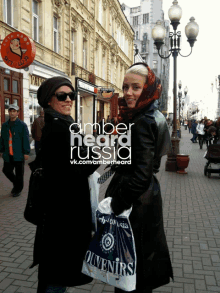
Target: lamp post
[(158, 34), (180, 96)]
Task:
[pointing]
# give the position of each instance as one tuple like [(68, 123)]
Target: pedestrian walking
[(201, 132), (62, 239), (136, 185), (185, 124), (189, 125), (36, 130), (108, 119), (194, 132), (178, 127), (15, 146), (207, 124), (217, 125)]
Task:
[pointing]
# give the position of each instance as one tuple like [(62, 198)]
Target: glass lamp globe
[(158, 32), (192, 29), (175, 12)]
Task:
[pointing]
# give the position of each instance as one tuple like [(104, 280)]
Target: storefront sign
[(18, 50), (85, 86), (36, 80)]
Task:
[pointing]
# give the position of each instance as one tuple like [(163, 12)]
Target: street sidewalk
[(191, 205)]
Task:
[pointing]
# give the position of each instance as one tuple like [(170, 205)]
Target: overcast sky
[(200, 69)]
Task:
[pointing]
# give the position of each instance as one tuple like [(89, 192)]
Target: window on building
[(85, 51), (122, 7), (145, 18), (135, 20), (35, 20), (136, 35), (144, 43), (100, 11), (155, 49), (112, 72), (55, 34), (8, 11), (73, 44), (85, 3), (135, 9), (155, 64), (97, 62), (103, 67)]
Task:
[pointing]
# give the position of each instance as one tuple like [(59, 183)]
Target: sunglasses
[(62, 96)]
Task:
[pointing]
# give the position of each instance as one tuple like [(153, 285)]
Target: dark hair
[(218, 122), (212, 129)]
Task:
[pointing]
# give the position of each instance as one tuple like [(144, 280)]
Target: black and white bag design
[(111, 257)]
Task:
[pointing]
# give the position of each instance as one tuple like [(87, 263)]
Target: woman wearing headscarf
[(63, 237), (136, 185)]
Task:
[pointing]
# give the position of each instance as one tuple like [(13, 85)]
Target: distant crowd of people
[(204, 131)]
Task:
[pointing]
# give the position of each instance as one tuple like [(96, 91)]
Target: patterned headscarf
[(151, 92)]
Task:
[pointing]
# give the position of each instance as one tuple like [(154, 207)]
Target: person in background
[(208, 123), (178, 127), (217, 125), (189, 125), (36, 130), (15, 146), (201, 132), (193, 130), (185, 123), (108, 119)]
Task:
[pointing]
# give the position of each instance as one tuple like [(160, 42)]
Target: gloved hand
[(118, 205)]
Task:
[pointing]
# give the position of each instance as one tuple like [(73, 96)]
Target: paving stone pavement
[(191, 205)]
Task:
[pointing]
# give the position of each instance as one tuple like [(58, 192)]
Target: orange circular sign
[(18, 50)]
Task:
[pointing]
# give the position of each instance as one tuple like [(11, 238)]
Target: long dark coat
[(62, 241), (137, 185)]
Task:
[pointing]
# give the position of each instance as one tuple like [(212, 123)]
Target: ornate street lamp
[(158, 34)]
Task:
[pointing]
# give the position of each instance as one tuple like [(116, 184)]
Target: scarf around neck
[(151, 92), (56, 114)]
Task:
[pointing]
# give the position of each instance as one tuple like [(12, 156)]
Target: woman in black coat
[(136, 184), (63, 238)]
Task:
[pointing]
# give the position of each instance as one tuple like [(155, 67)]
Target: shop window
[(7, 103), (7, 84), (15, 86), (55, 34), (35, 20), (34, 107), (8, 11)]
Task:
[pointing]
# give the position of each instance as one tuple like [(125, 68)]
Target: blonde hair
[(139, 70)]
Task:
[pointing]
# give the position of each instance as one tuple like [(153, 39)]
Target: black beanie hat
[(48, 88)]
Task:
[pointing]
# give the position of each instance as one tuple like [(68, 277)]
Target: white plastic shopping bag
[(111, 256), (94, 195)]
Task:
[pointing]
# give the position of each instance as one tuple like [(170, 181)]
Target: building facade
[(90, 42), (142, 19)]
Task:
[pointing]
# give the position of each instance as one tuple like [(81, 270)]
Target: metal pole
[(171, 164)]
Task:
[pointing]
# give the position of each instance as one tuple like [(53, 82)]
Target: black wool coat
[(62, 240), (137, 185)]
